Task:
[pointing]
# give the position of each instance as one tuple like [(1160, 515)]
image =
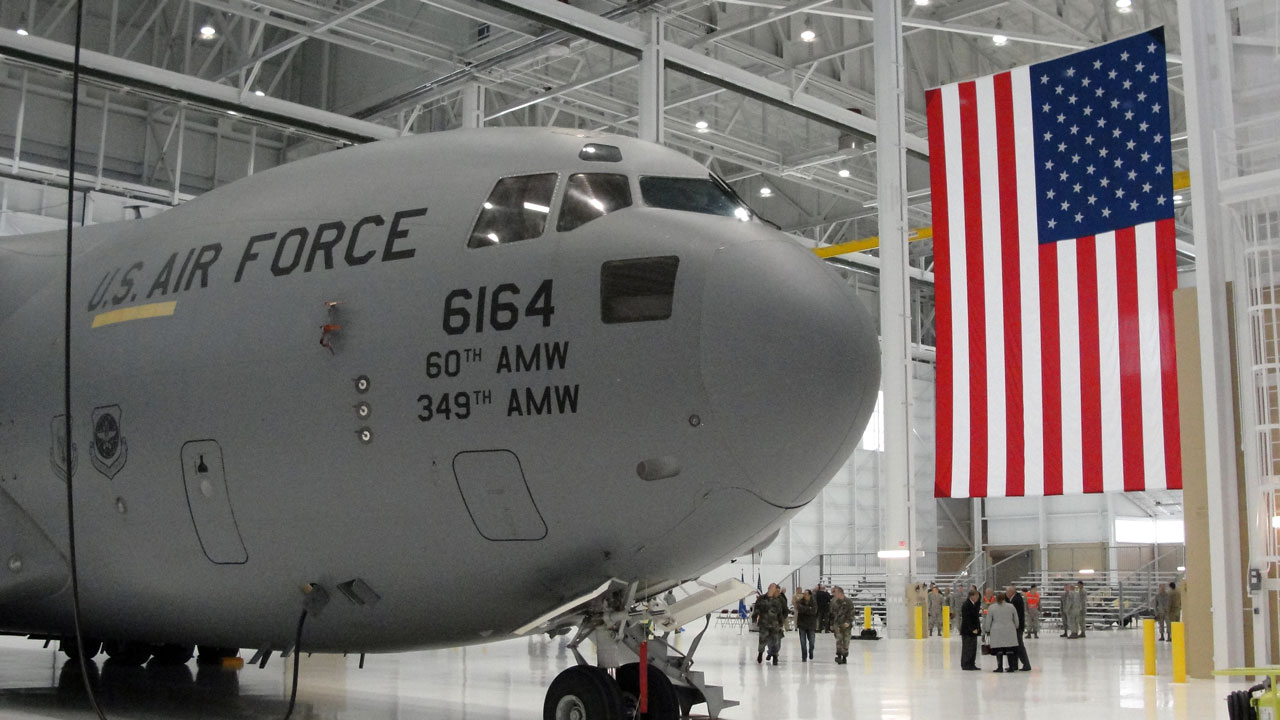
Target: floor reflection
[(171, 691)]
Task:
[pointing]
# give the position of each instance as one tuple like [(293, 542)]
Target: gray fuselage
[(224, 457)]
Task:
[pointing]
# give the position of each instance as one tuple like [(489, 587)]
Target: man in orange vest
[(1032, 597)]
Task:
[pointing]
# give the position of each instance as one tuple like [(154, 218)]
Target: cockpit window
[(592, 195), (700, 195), (516, 210)]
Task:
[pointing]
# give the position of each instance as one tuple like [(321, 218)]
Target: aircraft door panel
[(210, 503), (497, 497)]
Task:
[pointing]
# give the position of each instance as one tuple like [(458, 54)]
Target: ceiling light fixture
[(807, 34), (921, 3), (207, 31), (23, 32), (766, 191), (1182, 568), (843, 172), (259, 93), (1000, 40), (702, 125), (1124, 6)]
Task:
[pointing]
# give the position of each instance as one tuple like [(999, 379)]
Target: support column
[(1113, 553), (980, 569), (1207, 81), (1044, 546), (473, 106), (653, 86), (895, 321)]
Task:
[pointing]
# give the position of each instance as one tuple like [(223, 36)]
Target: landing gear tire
[(172, 654), (69, 648), (209, 655), (663, 701), (128, 653), (583, 693)]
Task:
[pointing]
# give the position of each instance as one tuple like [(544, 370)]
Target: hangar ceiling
[(191, 94)]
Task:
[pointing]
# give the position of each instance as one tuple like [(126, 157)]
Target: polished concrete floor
[(1100, 675)]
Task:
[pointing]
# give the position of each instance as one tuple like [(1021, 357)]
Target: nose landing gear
[(620, 627), (583, 692)]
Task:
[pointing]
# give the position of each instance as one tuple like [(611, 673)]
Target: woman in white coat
[(1001, 627)]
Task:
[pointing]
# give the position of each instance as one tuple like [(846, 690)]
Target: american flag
[(1055, 265)]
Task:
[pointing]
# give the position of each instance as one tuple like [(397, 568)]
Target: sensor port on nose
[(659, 468)]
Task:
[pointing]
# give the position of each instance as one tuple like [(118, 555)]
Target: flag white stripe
[(1109, 363), (1069, 363), (960, 435), (1029, 277), (1152, 379), (993, 287)]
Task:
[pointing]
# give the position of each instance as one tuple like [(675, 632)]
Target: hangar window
[(709, 196), (637, 290), (516, 210), (592, 195)]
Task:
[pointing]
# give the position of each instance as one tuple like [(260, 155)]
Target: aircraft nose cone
[(791, 363)]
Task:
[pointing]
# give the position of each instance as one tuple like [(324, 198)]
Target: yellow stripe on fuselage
[(140, 312)]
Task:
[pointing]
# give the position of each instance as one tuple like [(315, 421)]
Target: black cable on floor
[(66, 372), (297, 661)]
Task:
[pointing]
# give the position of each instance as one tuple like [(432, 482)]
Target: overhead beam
[(301, 37), (184, 89), (690, 62)]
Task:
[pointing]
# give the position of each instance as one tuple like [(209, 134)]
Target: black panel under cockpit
[(638, 290)]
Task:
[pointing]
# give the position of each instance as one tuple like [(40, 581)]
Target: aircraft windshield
[(700, 195), (516, 210), (589, 196)]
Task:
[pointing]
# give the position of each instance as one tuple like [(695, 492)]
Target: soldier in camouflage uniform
[(842, 616), (770, 612)]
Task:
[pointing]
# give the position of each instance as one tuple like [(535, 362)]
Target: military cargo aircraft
[(435, 391)]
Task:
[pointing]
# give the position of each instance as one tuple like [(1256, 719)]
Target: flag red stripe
[(1090, 364), (1167, 272), (1015, 469), (942, 291), (1051, 368), (1130, 358), (971, 168)]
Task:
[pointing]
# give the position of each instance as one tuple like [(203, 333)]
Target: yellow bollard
[(1148, 646), (1179, 652), (946, 621), (919, 622), (866, 617)]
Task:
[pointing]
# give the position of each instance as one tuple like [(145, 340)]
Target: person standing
[(1001, 626), (1162, 610), (970, 629), (1014, 598), (988, 598), (842, 614), (1033, 611), (935, 610), (1082, 607), (770, 613), (806, 623), (823, 599), (1175, 607), (1065, 603)]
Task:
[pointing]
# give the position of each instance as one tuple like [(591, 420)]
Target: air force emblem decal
[(109, 450)]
